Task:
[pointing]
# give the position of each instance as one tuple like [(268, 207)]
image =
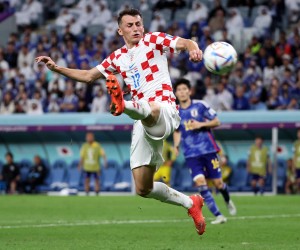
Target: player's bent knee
[(143, 192)]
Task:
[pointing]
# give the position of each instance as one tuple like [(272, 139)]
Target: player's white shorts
[(146, 149)]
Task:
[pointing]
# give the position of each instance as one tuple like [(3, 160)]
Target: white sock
[(169, 195), (137, 110)]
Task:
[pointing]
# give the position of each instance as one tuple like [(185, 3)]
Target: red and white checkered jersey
[(144, 67)]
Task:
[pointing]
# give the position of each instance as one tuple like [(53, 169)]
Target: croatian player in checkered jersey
[(142, 63)]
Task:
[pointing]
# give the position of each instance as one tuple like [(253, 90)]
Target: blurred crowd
[(80, 34)]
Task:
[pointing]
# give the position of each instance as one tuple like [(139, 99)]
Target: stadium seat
[(112, 164), (74, 175), (124, 181), (58, 175), (240, 175), (109, 178), (25, 166)]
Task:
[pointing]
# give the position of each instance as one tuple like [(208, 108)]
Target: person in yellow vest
[(258, 164), (296, 159), (290, 177), (226, 169), (164, 172), (90, 154)]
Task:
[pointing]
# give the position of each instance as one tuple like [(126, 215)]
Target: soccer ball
[(219, 58)]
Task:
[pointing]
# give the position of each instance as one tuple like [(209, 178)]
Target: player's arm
[(176, 140), (79, 75), (192, 47), (207, 124)]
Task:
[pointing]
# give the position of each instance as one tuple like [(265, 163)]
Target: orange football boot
[(196, 213), (114, 90)]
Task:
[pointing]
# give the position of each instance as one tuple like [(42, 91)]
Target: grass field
[(41, 222)]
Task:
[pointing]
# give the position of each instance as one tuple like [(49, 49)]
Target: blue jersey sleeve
[(206, 111)]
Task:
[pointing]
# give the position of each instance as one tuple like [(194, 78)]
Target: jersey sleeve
[(161, 41), (207, 111), (107, 67)]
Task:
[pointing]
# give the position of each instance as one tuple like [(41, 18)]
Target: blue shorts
[(256, 177), (297, 173), (88, 174), (207, 165)]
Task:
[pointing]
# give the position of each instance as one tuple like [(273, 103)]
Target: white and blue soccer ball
[(219, 58)]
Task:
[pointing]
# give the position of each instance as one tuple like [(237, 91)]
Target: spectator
[(90, 154), (64, 18), (102, 15), (36, 176), (70, 100), (211, 97), (82, 106), (225, 99), (197, 14), (263, 21), (240, 101), (235, 22), (4, 66), (11, 55), (7, 106), (10, 174), (290, 183), (258, 165), (158, 23), (99, 104), (217, 22), (293, 8), (270, 71), (296, 159), (53, 104)]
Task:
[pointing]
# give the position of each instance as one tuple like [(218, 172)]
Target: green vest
[(258, 159), (91, 154), (297, 153)]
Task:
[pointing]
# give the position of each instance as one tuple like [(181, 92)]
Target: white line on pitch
[(122, 222)]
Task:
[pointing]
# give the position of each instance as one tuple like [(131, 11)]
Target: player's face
[(89, 137), (258, 142), (132, 29), (182, 93)]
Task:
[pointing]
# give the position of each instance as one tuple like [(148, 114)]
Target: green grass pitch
[(128, 222)]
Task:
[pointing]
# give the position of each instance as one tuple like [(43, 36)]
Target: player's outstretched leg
[(229, 203), (193, 203), (211, 204), (138, 110)]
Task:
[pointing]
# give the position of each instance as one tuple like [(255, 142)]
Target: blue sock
[(209, 200)]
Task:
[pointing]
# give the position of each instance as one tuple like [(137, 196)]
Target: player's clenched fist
[(196, 55), (47, 60)]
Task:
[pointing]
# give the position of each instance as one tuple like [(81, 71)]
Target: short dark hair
[(183, 81), (130, 12), (9, 154)]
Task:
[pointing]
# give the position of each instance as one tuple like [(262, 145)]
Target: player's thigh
[(212, 166), (197, 170), (143, 178), (144, 150)]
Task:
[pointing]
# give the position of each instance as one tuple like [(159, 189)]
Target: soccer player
[(142, 63), (257, 165), (90, 154), (164, 171), (296, 159), (199, 147)]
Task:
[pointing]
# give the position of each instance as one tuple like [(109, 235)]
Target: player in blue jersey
[(199, 147)]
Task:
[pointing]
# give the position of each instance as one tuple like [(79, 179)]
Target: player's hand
[(195, 55), (47, 60), (193, 124)]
